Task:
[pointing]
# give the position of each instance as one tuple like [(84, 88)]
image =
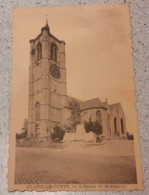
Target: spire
[(47, 20), (46, 26)]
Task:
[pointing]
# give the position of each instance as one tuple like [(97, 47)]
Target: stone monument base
[(80, 135)]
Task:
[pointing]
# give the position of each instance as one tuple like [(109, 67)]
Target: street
[(113, 164)]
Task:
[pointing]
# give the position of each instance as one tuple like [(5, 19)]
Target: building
[(49, 104)]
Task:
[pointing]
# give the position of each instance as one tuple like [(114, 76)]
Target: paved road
[(39, 165)]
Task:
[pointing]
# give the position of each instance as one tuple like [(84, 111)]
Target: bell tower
[(47, 84)]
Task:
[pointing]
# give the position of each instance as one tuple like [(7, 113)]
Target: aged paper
[(73, 123)]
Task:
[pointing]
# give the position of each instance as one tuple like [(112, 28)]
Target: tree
[(23, 135), (130, 136), (58, 133), (88, 125), (95, 127), (75, 114)]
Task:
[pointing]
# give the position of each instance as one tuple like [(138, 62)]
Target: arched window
[(98, 116), (33, 52), (39, 51), (37, 130), (54, 52), (115, 124), (108, 123), (122, 126), (37, 111)]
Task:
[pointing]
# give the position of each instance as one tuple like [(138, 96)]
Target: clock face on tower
[(55, 72)]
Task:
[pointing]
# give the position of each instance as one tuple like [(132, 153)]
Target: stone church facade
[(48, 99)]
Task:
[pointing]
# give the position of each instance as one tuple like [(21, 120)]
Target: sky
[(98, 55)]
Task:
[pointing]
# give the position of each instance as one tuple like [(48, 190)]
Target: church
[(49, 104)]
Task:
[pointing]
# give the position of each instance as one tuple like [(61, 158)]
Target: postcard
[(73, 120)]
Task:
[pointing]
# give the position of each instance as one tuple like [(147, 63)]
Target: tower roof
[(46, 27)]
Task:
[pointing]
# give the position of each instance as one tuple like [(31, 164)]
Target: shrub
[(95, 127), (130, 136), (58, 133), (21, 135)]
